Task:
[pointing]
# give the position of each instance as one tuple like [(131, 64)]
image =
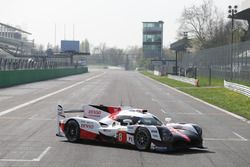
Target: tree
[(207, 26), (201, 22), (85, 47)]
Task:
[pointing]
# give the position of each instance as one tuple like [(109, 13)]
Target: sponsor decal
[(87, 125), (130, 128), (154, 131), (94, 113), (106, 130), (156, 136), (130, 139)]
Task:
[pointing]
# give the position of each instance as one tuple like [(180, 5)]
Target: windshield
[(150, 121)]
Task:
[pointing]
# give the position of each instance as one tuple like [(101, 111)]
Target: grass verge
[(221, 97)]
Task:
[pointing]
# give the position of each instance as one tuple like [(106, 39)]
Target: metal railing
[(191, 81), (237, 88)]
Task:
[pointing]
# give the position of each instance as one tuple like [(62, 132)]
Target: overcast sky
[(115, 22)]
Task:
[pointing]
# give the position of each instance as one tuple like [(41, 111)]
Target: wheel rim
[(142, 139), (72, 132)]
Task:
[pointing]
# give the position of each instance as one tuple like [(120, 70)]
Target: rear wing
[(95, 112)]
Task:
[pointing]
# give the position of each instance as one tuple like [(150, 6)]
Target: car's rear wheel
[(72, 131), (142, 139)]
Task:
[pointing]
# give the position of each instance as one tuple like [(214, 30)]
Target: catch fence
[(229, 62), (41, 62)]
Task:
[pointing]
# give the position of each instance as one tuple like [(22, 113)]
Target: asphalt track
[(28, 112)]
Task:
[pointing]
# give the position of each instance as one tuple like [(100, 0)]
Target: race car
[(127, 125)]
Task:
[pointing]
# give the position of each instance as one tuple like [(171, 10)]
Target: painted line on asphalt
[(33, 116), (211, 105), (241, 137), (48, 95), (197, 111), (186, 113), (224, 139), (42, 154), (21, 118), (154, 100), (163, 111), (39, 158)]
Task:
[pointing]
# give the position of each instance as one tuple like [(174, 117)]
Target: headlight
[(198, 129), (166, 135)]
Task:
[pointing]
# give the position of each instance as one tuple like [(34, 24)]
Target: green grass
[(221, 97), (166, 80), (204, 81)]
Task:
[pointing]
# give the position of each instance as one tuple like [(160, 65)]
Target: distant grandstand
[(13, 41)]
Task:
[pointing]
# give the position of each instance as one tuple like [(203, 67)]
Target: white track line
[(48, 95), (28, 160), (163, 111), (223, 139), (42, 154), (21, 118), (197, 111), (211, 105), (241, 137)]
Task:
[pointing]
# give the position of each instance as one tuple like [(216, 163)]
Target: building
[(14, 40), (153, 39)]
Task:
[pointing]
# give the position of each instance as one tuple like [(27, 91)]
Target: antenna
[(64, 31), (73, 32), (55, 36)]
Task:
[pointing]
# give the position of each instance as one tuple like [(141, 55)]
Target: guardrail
[(245, 90), (157, 73), (191, 81)]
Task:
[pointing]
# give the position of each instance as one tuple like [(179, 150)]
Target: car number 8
[(122, 137)]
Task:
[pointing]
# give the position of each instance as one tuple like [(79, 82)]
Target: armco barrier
[(16, 77), (191, 81), (237, 88)]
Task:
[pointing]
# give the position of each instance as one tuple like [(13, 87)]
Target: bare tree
[(201, 22)]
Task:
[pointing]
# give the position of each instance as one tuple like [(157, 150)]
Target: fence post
[(195, 72), (210, 74)]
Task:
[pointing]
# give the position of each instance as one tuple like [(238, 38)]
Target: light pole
[(232, 11)]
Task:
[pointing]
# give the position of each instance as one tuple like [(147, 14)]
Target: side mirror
[(168, 120), (127, 121)]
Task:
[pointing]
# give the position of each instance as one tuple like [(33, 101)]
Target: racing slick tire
[(72, 131), (142, 139)]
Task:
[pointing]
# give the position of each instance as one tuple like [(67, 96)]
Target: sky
[(118, 23)]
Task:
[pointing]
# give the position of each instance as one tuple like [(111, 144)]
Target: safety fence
[(41, 62), (229, 62), (237, 88)]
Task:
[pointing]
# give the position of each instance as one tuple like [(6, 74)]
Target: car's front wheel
[(72, 131), (142, 139)]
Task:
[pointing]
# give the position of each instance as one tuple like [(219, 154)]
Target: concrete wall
[(11, 78)]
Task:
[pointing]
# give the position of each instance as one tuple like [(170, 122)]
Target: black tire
[(142, 139), (72, 131)]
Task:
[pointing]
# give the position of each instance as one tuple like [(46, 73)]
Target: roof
[(153, 22), (242, 15), (14, 28)]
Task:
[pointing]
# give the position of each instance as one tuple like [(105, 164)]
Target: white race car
[(127, 125)]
